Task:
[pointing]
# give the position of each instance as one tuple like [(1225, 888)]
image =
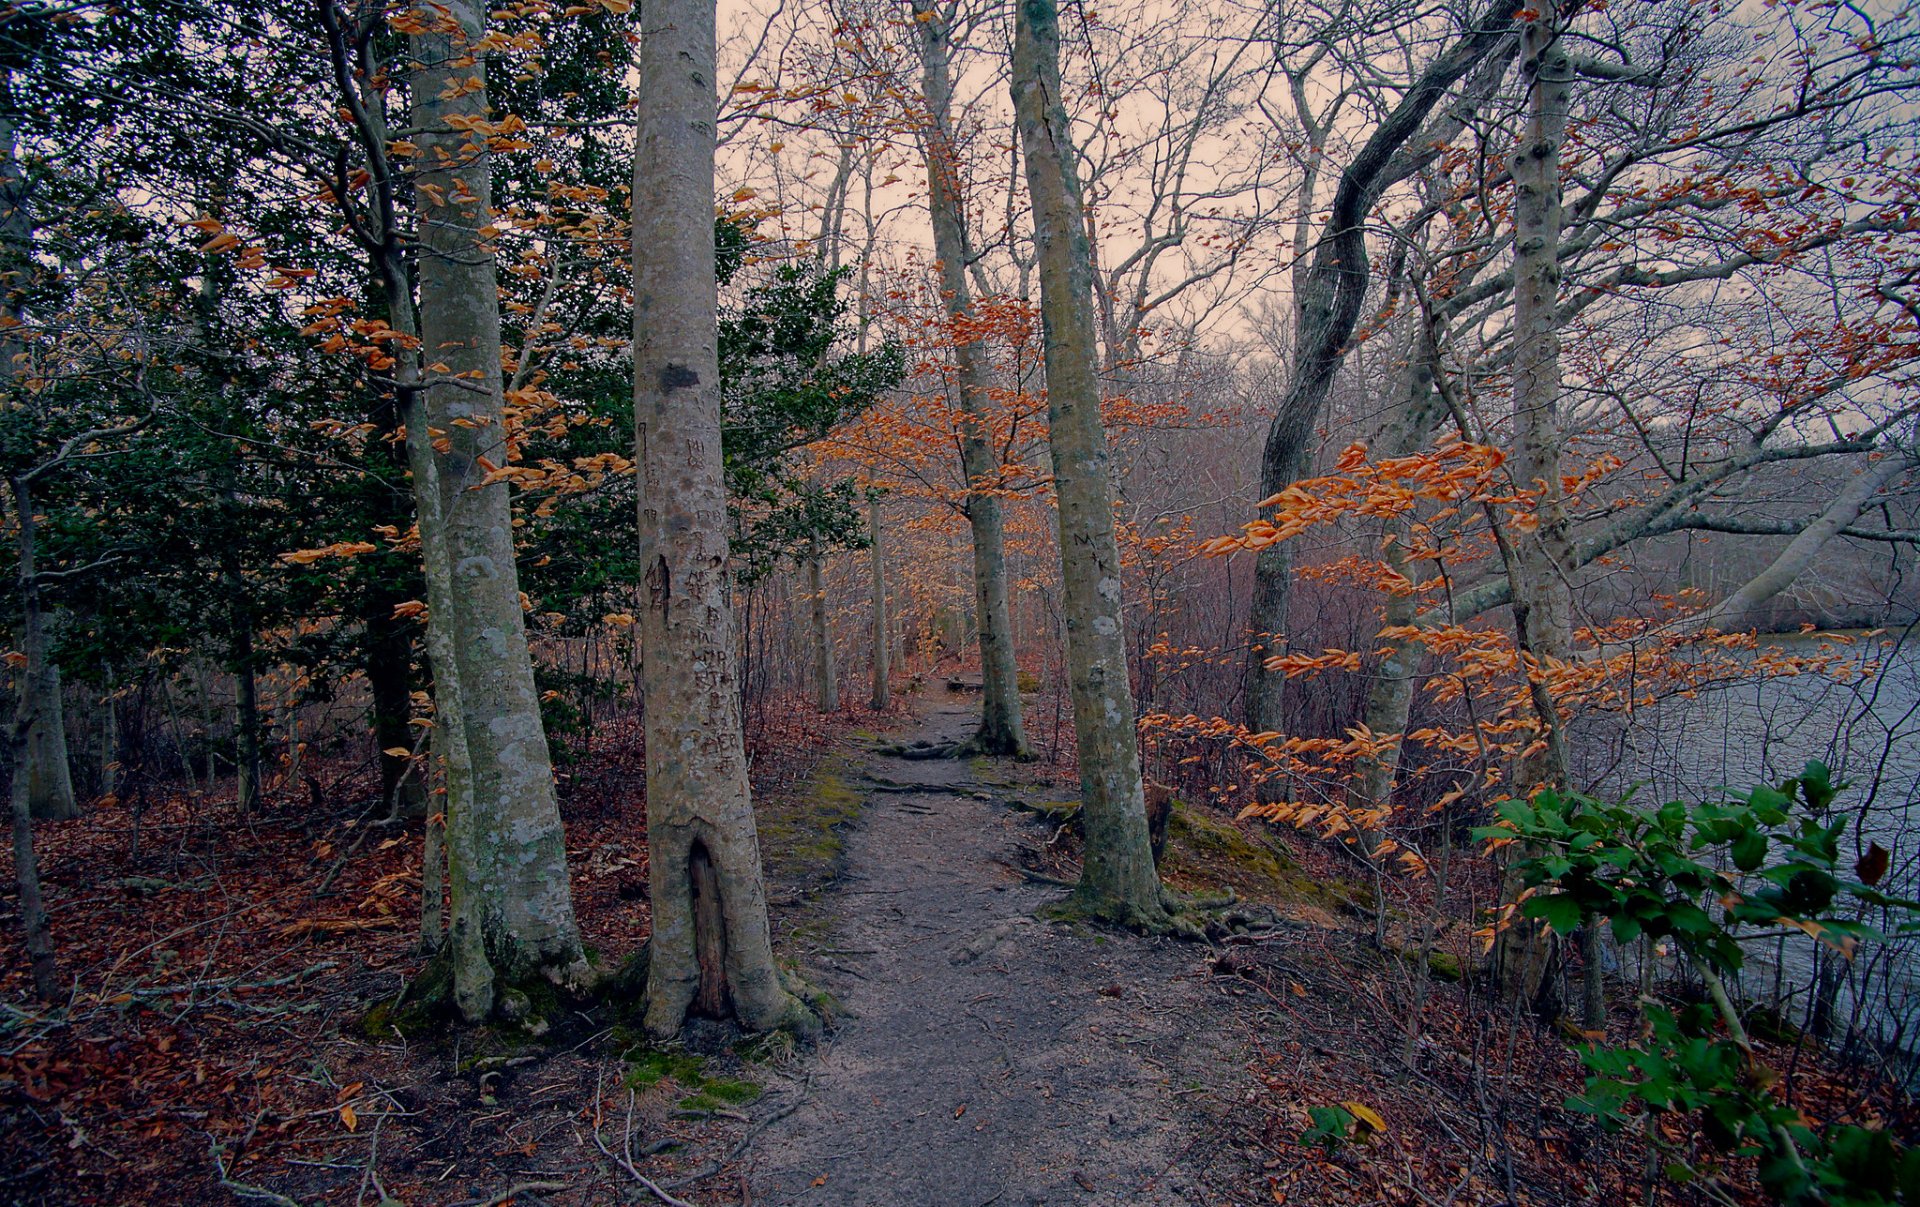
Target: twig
[(242, 1189), (515, 1191)]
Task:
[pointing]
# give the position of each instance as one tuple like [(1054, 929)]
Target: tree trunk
[(49, 774), (26, 867), (26, 719), (826, 681), (882, 689), (47, 777), (1118, 880), (704, 852), (389, 666), (1541, 560), (246, 719), (512, 904), (1002, 731)]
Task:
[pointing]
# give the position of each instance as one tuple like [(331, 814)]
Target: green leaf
[(1560, 911), (1750, 850)]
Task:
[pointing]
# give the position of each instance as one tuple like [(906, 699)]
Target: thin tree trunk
[(826, 680), (704, 852), (47, 777), (388, 646), (1541, 560), (1002, 730), (882, 689), (246, 725), (1118, 879), (26, 868)]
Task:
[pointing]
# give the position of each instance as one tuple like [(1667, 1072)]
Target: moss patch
[(803, 838), (1205, 852), (648, 1067)]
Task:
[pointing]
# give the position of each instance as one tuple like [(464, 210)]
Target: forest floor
[(227, 1038)]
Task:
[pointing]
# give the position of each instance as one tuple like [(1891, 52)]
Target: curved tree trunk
[(1327, 308), (1118, 879), (1002, 730), (711, 949), (511, 897)]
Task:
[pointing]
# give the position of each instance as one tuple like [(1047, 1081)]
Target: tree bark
[(26, 719), (511, 899), (826, 680), (699, 801), (246, 718), (1002, 729), (882, 688), (1118, 879), (1541, 561)]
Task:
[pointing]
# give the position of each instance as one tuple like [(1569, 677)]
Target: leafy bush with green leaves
[(1705, 877)]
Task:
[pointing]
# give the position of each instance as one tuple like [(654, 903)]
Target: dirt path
[(988, 1057)]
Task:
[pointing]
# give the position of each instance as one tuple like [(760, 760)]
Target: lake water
[(1867, 730)]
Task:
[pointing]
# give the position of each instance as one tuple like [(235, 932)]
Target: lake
[(1865, 727)]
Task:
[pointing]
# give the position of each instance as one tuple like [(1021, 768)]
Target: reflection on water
[(1868, 731)]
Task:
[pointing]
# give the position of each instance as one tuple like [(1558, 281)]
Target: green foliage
[(788, 379), (1703, 876), (1332, 1127)]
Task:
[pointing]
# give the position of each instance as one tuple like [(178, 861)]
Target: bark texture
[(1539, 562), (705, 854), (826, 678), (26, 719), (512, 904), (882, 687), (1118, 879), (1002, 730)]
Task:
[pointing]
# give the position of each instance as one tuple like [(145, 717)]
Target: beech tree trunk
[(512, 904), (711, 949), (1118, 879), (1002, 730), (1540, 561), (882, 688), (826, 680)]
